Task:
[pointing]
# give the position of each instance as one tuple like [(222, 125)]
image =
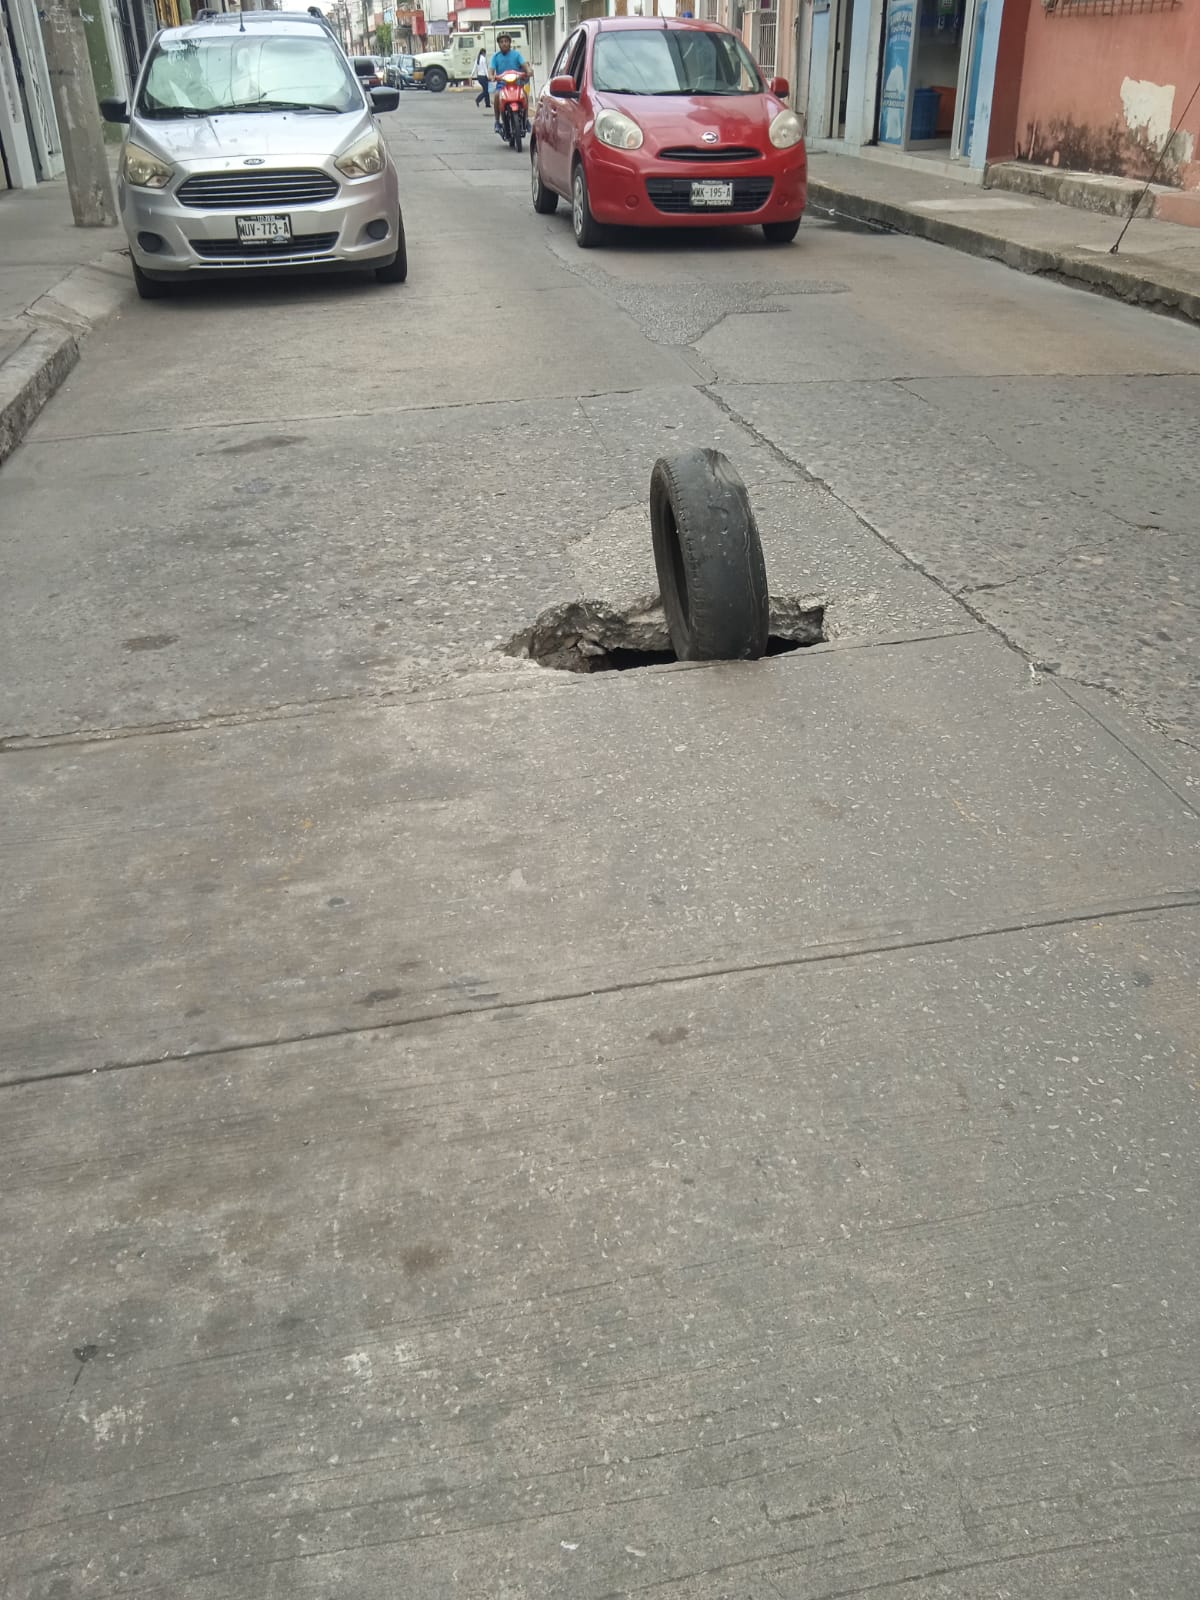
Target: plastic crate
[(926, 104)]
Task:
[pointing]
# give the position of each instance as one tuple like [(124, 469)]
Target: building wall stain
[(1115, 149)]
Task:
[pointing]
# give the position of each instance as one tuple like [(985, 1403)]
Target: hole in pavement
[(592, 636)]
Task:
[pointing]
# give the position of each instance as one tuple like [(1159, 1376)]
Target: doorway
[(838, 93), (929, 71)]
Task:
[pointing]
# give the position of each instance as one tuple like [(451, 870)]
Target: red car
[(666, 122)]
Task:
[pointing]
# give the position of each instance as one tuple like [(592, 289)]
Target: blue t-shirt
[(508, 61)]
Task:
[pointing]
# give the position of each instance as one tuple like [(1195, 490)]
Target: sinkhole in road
[(594, 636)]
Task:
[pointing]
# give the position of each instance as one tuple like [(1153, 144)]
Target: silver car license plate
[(712, 194), (265, 230)]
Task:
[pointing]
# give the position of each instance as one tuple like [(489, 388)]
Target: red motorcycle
[(511, 111)]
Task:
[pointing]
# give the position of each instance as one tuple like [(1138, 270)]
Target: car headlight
[(785, 131), (616, 129), (363, 159), (143, 170)]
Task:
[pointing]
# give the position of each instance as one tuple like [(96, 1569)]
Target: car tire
[(588, 232), (780, 232), (435, 80), (395, 270), (545, 201), (149, 288), (709, 558)]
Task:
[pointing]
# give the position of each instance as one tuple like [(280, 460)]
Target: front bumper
[(326, 235), (645, 191)]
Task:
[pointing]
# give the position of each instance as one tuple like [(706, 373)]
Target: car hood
[(229, 141), (668, 120)]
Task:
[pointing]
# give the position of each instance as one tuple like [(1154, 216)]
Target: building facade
[(1105, 86), (30, 146)]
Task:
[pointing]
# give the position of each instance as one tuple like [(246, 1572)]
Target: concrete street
[(708, 1133)]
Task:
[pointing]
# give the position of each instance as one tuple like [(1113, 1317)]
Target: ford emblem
[(710, 137), (255, 161)]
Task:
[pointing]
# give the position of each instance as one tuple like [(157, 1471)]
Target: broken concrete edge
[(28, 378), (53, 327), (1134, 279), (585, 635)]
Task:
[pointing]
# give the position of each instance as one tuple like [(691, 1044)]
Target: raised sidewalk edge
[(43, 342)]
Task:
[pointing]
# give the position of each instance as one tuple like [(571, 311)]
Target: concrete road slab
[(283, 563), (869, 1276), (282, 878), (163, 373), (1086, 440), (987, 521)]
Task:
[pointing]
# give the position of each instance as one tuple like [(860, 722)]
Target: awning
[(511, 10)]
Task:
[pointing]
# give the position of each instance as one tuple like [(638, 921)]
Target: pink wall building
[(1103, 83)]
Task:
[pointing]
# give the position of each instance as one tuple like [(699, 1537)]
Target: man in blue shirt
[(506, 59)]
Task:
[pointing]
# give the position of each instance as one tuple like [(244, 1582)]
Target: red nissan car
[(666, 122)]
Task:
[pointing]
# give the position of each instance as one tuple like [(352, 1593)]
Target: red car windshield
[(673, 61)]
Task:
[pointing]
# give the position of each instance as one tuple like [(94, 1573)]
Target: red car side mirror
[(780, 88), (563, 85)]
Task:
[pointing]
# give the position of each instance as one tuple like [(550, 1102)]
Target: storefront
[(904, 75), (30, 148)]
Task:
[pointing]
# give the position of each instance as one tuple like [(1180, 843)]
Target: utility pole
[(89, 181)]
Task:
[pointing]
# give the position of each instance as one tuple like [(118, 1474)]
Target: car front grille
[(278, 250), (729, 152), (234, 191), (675, 195)]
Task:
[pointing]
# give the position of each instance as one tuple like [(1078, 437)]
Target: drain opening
[(592, 636)]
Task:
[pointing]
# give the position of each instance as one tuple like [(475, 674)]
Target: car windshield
[(246, 72), (673, 61)]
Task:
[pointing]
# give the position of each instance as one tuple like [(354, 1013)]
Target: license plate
[(712, 194), (264, 230)]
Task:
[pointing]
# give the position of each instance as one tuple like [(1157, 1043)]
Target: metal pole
[(89, 181)]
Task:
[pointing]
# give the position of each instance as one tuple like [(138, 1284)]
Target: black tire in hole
[(709, 558)]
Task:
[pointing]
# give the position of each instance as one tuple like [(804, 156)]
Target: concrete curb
[(47, 337), (1138, 280)]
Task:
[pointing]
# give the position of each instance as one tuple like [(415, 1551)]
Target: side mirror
[(564, 86), (384, 99), (114, 110), (780, 88)]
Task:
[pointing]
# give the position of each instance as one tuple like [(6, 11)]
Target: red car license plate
[(710, 193)]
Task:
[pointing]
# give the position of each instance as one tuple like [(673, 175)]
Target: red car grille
[(706, 152), (675, 195)]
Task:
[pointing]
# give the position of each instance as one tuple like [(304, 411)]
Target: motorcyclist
[(507, 59)]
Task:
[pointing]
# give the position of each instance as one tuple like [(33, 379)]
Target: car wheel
[(149, 288), (587, 230), (781, 232), (395, 270), (545, 201), (435, 79), (709, 558)]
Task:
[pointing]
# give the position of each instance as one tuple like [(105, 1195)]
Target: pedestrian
[(481, 77)]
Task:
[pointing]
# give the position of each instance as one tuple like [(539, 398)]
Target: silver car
[(253, 147)]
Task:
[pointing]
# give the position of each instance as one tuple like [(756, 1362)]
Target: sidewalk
[(57, 282), (1158, 266)]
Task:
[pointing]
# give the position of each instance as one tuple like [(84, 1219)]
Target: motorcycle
[(510, 97)]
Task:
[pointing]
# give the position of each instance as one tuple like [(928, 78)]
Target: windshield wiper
[(270, 105)]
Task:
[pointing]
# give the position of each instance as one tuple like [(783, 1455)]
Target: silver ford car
[(252, 146)]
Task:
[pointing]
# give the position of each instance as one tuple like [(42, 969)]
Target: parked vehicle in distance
[(666, 123), (400, 72), (456, 63), (368, 71), (287, 171)]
